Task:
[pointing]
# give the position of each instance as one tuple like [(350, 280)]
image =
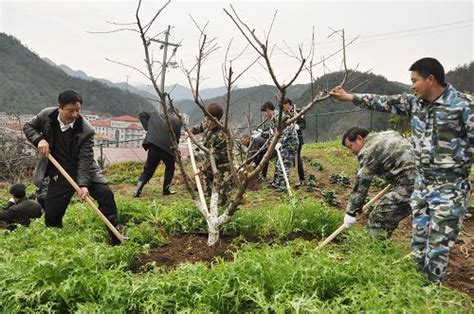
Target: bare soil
[(193, 248)]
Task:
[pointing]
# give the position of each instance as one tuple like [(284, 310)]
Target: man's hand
[(349, 220), (43, 148), (338, 93), (84, 193)]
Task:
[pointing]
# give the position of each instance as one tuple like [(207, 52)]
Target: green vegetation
[(29, 84), (462, 78), (72, 269)]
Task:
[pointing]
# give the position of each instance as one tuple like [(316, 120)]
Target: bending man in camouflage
[(214, 138), (389, 156), (442, 124)]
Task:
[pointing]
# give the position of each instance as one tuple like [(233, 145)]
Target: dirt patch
[(182, 248), (461, 261), (193, 248)]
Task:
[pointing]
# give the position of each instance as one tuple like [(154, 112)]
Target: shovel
[(344, 226)]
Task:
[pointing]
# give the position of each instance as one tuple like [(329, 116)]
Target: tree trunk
[(213, 229)]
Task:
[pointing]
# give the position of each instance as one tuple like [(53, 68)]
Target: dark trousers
[(60, 193), (155, 155), (300, 162)]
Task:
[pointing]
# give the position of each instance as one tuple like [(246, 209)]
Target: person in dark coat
[(300, 126), (62, 132), (158, 143), (20, 209), (254, 145)]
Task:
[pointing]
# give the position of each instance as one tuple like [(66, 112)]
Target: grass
[(74, 270), (71, 269)]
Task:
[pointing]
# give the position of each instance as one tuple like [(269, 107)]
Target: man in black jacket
[(64, 133), (20, 209), (300, 126), (158, 143)]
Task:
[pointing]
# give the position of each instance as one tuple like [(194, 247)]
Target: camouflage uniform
[(443, 136), (389, 156), (215, 139), (289, 147)]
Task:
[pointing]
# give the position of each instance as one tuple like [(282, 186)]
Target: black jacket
[(302, 124), (158, 132), (22, 212), (88, 171)]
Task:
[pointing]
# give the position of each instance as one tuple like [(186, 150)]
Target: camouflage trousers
[(225, 186), (288, 155), (439, 207), (393, 208)]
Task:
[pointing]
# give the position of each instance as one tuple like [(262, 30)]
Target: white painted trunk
[(213, 230)]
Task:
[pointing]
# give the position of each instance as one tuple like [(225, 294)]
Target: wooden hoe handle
[(343, 226)]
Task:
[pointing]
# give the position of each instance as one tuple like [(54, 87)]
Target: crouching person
[(62, 132), (19, 210), (389, 156)]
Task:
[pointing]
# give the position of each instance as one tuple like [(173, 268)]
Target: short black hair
[(352, 134), (429, 66), (18, 190), (69, 97), (268, 105), (287, 100), (215, 110)]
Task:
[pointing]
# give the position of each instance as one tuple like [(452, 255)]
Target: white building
[(123, 131)]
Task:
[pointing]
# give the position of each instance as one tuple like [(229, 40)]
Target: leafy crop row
[(74, 270)]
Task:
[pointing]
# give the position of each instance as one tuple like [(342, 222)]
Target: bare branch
[(150, 24), (113, 31), (129, 66)]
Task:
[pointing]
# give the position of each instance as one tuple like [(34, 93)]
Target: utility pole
[(164, 65)]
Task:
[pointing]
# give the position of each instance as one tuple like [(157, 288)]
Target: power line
[(410, 30)]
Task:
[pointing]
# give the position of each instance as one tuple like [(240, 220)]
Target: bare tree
[(239, 175), (17, 157)]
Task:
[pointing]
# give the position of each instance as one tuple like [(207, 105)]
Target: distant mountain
[(121, 85), (462, 78), (29, 84), (245, 103), (180, 92)]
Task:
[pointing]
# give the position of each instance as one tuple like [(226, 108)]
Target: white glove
[(297, 127), (278, 146), (349, 220)]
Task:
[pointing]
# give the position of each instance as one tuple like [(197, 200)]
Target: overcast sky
[(393, 34)]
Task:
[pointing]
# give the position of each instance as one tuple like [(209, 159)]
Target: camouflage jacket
[(387, 155), (214, 138), (266, 129), (289, 137), (442, 131)]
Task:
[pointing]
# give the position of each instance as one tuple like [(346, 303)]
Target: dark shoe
[(300, 184), (169, 192), (271, 185), (138, 189), (279, 189), (114, 221)]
